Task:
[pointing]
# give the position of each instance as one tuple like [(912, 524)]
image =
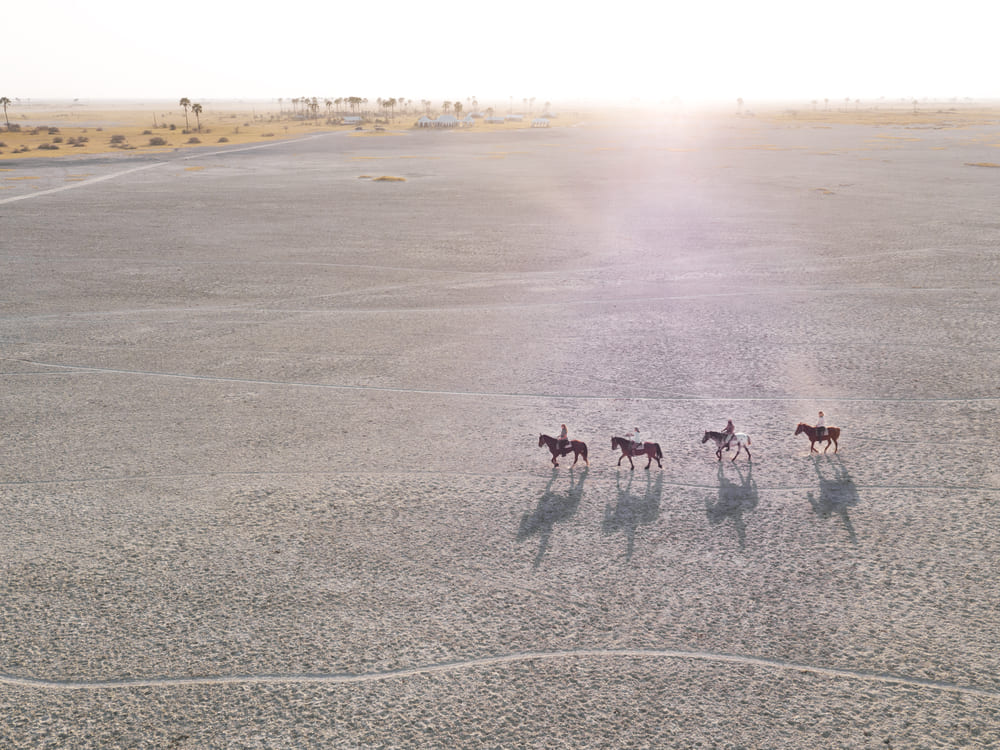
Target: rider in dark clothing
[(563, 438)]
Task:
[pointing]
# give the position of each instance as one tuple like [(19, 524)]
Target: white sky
[(454, 49)]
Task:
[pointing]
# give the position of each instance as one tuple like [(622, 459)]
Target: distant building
[(425, 122), (539, 122), (494, 120), (351, 120), (446, 121)]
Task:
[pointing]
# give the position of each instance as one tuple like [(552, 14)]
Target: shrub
[(48, 147), (57, 139), (267, 135), (117, 139), (3, 145), (53, 131), (223, 139), (147, 132), (157, 141), (194, 139), (173, 127)]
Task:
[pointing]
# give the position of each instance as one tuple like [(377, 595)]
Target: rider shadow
[(836, 494), (734, 501), (633, 511), (553, 507)]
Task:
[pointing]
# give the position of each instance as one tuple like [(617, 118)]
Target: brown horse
[(648, 449), (576, 447), (832, 433)]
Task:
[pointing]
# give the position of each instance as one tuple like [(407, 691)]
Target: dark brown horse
[(648, 449), (832, 433), (576, 447)]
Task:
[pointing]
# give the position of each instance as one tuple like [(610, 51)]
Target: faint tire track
[(491, 661)]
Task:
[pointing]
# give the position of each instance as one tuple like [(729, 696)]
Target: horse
[(832, 433), (577, 447), (741, 439), (652, 450)]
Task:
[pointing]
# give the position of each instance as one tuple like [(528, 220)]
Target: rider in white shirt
[(635, 438)]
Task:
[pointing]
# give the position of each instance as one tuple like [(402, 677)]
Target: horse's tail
[(583, 451), (659, 451), (748, 440)]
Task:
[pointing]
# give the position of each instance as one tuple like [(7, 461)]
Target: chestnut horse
[(648, 449), (577, 447), (740, 439), (832, 433)]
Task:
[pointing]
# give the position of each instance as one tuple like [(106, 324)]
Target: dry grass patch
[(981, 164), (389, 178)]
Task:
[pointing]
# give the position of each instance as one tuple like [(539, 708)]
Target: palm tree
[(458, 109), (5, 101), (196, 108), (185, 102)]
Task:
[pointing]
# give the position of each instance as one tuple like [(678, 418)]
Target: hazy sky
[(454, 49)]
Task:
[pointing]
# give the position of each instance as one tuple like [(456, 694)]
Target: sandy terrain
[(270, 474)]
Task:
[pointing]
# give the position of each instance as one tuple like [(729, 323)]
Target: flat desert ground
[(270, 473)]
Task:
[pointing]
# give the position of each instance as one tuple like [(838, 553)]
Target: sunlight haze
[(551, 51)]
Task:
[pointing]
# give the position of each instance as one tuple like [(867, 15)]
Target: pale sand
[(270, 472)]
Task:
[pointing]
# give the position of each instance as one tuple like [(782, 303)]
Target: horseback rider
[(728, 431), (821, 425), (635, 439), (563, 440)]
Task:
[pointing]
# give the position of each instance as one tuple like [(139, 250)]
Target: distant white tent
[(425, 122), (446, 121), (539, 122)]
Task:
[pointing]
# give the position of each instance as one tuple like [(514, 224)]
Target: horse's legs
[(620, 459), (576, 457), (835, 446)]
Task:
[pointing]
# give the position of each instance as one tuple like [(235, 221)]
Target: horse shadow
[(553, 507), (734, 501), (633, 511), (837, 493)]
